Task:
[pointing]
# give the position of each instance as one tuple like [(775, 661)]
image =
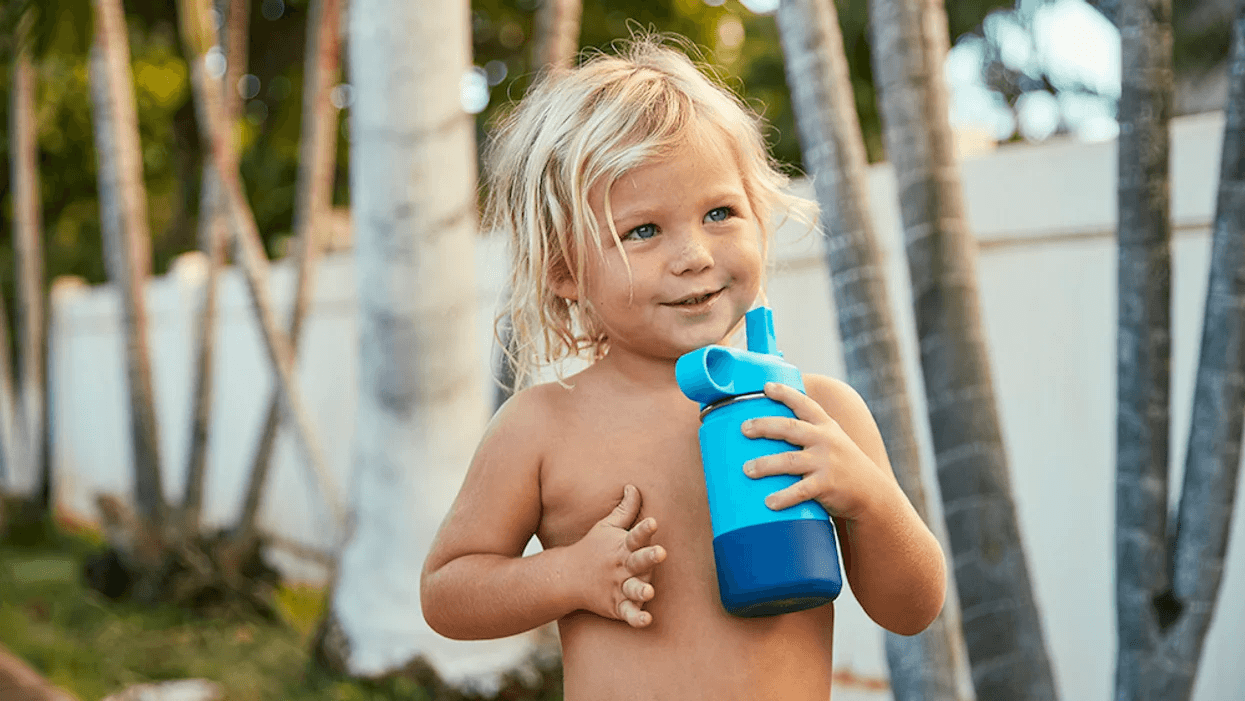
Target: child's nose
[(694, 254)]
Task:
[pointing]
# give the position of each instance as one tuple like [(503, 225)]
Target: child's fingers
[(630, 612), (637, 590), (805, 408), (804, 490), (645, 559), (641, 534), (797, 432), (790, 462), (624, 514)]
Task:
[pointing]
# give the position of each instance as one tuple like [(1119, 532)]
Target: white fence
[(1044, 217)]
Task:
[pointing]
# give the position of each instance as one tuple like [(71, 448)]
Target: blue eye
[(718, 214), (642, 232)]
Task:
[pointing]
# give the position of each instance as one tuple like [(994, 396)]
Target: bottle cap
[(713, 373)]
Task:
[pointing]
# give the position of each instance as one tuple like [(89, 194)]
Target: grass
[(93, 647)]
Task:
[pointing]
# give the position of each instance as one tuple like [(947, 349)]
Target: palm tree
[(557, 33), (922, 666), (313, 198), (421, 399), (198, 34), (213, 237), (1169, 584), (1002, 628), (1143, 572), (23, 419), (123, 218)]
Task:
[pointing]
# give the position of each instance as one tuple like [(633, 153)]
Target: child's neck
[(638, 370)]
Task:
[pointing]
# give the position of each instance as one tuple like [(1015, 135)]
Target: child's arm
[(894, 564), (476, 583)]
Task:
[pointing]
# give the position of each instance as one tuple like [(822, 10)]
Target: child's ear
[(563, 283)]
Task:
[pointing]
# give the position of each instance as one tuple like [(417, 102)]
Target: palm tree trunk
[(1144, 604), (9, 445), (28, 247), (556, 33), (1002, 628), (421, 401), (1213, 457), (212, 237), (127, 242), (212, 242), (237, 15), (198, 34), (923, 667), (313, 198)]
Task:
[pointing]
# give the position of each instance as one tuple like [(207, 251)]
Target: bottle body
[(768, 562)]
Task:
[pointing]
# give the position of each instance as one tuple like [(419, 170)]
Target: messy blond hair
[(585, 127)]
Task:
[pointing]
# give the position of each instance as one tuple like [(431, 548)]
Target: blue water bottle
[(769, 562)]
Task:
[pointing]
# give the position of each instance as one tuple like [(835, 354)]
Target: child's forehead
[(704, 143)]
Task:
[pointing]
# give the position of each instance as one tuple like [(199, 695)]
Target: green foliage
[(94, 647)]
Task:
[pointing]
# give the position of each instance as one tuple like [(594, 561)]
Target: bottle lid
[(713, 373)]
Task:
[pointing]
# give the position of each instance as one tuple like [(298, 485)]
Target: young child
[(639, 197)]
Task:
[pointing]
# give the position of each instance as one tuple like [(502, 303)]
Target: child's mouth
[(697, 300)]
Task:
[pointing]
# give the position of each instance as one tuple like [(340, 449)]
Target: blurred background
[(1034, 94)]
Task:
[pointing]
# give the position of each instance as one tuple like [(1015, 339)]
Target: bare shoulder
[(845, 405), (840, 400), (529, 412)]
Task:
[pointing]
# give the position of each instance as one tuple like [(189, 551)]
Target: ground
[(90, 646)]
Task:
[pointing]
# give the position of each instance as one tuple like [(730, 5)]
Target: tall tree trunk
[(26, 441), (421, 404), (1144, 604), (557, 33), (212, 237), (313, 198), (9, 437), (1002, 628), (923, 667), (199, 34), (235, 38), (127, 242), (1170, 614), (212, 242)]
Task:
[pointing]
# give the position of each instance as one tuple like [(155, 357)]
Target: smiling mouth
[(697, 299)]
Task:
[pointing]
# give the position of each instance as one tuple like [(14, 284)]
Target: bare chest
[(582, 479)]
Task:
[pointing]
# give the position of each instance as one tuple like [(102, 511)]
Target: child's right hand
[(619, 561)]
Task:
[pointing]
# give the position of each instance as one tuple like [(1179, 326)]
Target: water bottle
[(768, 562)]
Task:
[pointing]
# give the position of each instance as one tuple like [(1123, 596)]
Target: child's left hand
[(834, 470)]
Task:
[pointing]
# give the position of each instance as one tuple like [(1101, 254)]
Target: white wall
[(1044, 216)]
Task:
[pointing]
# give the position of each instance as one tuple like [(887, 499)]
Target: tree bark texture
[(237, 14), (212, 236), (922, 667), (1002, 628), (422, 404), (127, 240), (199, 35), (24, 420), (313, 198), (212, 243), (557, 33), (1173, 627), (1144, 604)]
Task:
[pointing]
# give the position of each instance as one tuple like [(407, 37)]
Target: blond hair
[(582, 128)]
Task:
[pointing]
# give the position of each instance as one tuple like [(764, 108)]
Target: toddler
[(639, 196)]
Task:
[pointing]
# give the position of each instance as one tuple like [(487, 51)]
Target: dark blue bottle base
[(777, 567)]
